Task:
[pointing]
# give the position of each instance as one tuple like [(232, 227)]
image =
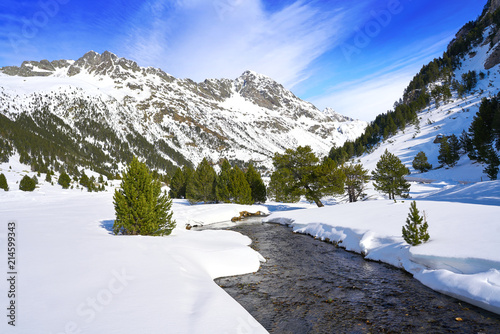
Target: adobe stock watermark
[(223, 7), (31, 26), (88, 310), (379, 20)]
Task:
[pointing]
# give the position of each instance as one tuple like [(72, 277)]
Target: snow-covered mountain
[(478, 47), (147, 111)]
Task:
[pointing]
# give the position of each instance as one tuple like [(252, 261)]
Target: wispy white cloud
[(373, 94), (205, 39), (369, 97)]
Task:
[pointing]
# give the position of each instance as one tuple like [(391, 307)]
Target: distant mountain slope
[(100, 109), (442, 99)]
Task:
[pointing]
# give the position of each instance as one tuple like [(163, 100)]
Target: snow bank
[(74, 276), (477, 193), (461, 259), (198, 215)]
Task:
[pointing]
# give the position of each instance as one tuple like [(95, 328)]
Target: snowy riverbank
[(462, 258)]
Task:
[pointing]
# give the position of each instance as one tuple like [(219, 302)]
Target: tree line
[(300, 173), (230, 185), (45, 142), (29, 183)]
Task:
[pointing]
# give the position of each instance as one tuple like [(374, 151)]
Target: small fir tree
[(141, 207), (492, 162), (48, 177), (3, 182), (449, 151), (64, 180), (444, 151), (27, 184), (415, 230), (466, 144), (177, 185), (454, 150), (84, 180), (201, 187), (91, 185), (257, 186), (421, 163), (238, 187), (389, 176), (222, 183)]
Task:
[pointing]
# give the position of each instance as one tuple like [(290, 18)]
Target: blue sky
[(353, 56)]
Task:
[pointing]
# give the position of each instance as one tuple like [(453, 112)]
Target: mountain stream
[(310, 286)]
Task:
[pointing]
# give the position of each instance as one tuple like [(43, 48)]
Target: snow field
[(74, 276)]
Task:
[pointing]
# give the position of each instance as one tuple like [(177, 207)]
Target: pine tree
[(222, 183), (201, 187), (91, 185), (176, 184), (3, 182), (415, 230), (48, 176), (281, 187), (444, 151), (355, 179), (179, 182), (481, 130), (449, 151), (391, 127), (420, 162), (466, 145), (141, 207), (257, 186), (239, 189), (454, 150), (389, 176), (299, 173), (84, 180), (27, 184), (64, 180), (492, 163)]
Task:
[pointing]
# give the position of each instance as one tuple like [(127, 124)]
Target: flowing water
[(309, 286)]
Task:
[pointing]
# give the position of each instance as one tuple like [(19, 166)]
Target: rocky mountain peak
[(263, 91), (106, 63), (335, 116), (32, 68), (250, 117)]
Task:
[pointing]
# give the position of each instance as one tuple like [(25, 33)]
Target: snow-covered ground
[(75, 276)]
